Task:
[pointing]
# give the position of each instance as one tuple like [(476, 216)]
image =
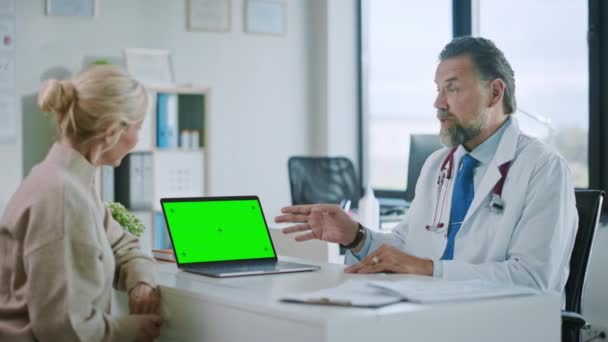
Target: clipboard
[(352, 293)]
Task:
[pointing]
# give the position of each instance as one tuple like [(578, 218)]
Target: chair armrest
[(575, 320)]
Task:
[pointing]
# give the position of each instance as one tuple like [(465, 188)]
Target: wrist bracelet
[(358, 238)]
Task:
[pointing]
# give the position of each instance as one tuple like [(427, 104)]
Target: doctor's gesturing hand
[(325, 222), (330, 223)]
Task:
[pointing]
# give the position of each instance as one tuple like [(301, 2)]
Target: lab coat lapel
[(504, 153)]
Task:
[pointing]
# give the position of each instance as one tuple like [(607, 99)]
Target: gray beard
[(458, 135)]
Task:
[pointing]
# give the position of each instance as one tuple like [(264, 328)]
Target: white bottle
[(185, 138), (194, 139), (369, 210)]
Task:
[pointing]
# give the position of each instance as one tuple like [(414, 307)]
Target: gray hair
[(489, 61)]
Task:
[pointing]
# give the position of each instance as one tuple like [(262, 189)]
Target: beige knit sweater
[(60, 254)]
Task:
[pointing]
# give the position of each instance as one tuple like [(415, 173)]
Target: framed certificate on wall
[(209, 15), (71, 8), (265, 17), (149, 65)]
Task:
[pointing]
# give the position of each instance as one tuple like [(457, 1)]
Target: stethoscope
[(496, 205)]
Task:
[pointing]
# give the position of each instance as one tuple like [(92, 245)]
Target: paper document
[(449, 291), (365, 293), (350, 293)]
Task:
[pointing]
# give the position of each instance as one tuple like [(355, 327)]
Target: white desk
[(247, 309)]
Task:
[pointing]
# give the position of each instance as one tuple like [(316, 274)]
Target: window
[(547, 49), (401, 45), (556, 48)]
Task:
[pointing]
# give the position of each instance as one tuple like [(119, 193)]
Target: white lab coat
[(528, 244)]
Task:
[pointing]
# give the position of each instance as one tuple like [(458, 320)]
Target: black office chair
[(421, 147), (589, 207), (322, 180)]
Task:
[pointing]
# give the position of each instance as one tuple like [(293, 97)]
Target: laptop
[(223, 237)]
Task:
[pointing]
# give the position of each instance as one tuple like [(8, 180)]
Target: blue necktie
[(461, 201)]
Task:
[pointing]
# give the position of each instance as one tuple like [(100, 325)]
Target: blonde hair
[(99, 98)]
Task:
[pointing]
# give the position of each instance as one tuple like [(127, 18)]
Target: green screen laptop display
[(217, 230)]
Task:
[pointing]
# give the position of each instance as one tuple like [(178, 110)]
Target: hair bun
[(56, 96)]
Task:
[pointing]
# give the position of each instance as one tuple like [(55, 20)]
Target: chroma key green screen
[(218, 230)]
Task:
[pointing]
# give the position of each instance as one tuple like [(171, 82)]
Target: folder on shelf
[(167, 121), (133, 181), (145, 239), (161, 235)]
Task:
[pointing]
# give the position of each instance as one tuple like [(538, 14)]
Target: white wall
[(334, 78), (265, 102)]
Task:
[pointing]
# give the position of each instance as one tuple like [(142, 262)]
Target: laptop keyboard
[(244, 267)]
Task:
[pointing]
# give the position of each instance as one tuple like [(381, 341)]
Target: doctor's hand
[(144, 299), (327, 222), (390, 259)]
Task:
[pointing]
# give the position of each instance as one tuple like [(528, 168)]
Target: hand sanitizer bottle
[(369, 210)]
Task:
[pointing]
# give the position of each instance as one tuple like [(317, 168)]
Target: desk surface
[(248, 308)]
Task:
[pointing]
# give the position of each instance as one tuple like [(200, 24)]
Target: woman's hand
[(144, 299)]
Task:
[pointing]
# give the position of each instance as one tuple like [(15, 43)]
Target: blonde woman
[(60, 250)]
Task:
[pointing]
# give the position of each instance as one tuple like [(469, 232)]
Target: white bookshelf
[(176, 171)]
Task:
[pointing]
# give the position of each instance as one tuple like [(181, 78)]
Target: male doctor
[(505, 211)]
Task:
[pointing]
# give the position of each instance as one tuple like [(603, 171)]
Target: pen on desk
[(327, 301)]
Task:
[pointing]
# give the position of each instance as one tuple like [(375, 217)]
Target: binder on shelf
[(148, 180), (106, 184), (134, 181), (166, 121), (146, 238), (161, 235)]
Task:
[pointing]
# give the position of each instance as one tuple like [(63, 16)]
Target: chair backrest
[(589, 207), (322, 180), (421, 147)]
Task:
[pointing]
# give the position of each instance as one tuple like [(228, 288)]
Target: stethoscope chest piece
[(435, 227), (497, 204)]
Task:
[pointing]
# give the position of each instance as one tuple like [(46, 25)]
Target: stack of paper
[(372, 294), (449, 291)]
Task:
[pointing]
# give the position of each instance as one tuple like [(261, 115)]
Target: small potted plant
[(128, 221)]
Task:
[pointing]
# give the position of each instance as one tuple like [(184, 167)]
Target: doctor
[(493, 204)]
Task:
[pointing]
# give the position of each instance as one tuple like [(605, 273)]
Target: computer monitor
[(421, 147)]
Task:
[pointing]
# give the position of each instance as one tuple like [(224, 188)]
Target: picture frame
[(209, 15), (149, 66), (265, 17), (71, 8)]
